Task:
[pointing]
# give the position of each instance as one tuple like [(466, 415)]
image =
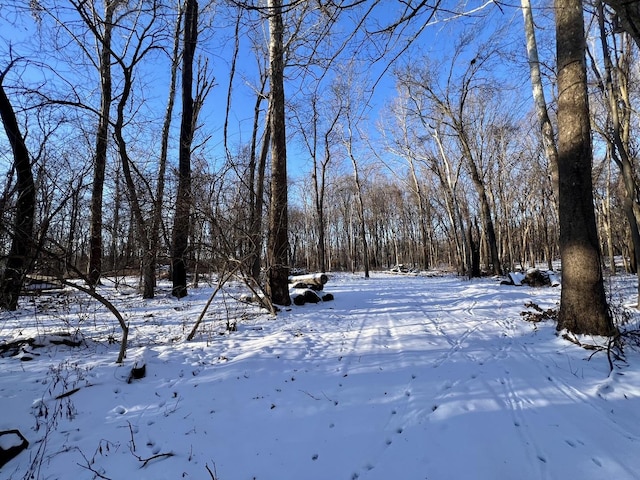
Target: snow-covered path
[(399, 378)]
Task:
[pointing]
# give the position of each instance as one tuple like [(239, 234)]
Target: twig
[(133, 442), (94, 471), (307, 393), (89, 467), (147, 460), (214, 474), (221, 283)]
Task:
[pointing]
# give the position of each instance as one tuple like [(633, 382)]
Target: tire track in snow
[(387, 340)]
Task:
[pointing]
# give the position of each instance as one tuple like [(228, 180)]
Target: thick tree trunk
[(278, 246), (583, 305), (22, 239), (181, 222)]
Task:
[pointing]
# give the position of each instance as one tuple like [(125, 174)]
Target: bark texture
[(583, 305), (278, 246)]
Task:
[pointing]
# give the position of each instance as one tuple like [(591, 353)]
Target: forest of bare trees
[(187, 139)]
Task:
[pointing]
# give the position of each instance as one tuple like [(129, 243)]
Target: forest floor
[(400, 377)]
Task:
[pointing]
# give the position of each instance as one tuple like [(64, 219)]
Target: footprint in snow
[(604, 389), (446, 386)]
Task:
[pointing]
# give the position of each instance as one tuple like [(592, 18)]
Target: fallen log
[(318, 279), (308, 296), (533, 277)]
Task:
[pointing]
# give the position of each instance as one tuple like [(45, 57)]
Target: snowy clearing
[(409, 377)]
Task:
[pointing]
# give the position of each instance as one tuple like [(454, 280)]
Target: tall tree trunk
[(450, 183), (258, 206), (320, 182), (255, 183), (607, 220), (546, 129), (22, 239), (278, 246), (360, 205), (422, 214), (181, 222), (100, 160), (485, 209), (150, 263), (583, 305), (141, 231), (619, 148)]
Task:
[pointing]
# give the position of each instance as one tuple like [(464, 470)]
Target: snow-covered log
[(533, 277), (315, 281)]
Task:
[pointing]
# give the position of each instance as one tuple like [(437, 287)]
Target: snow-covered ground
[(400, 377)]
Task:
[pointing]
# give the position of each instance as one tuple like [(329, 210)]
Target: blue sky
[(435, 42)]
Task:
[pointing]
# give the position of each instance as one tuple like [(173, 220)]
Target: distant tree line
[(112, 166)]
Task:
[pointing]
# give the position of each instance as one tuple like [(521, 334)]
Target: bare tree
[(149, 265), (103, 45), (461, 106), (20, 254), (348, 142), (546, 128), (583, 305), (613, 84), (133, 53), (319, 138), (278, 245), (181, 222)]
